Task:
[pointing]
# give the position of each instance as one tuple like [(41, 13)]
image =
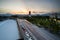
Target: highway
[(23, 29), (37, 33)]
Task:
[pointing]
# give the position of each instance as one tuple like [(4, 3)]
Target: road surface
[(38, 33)]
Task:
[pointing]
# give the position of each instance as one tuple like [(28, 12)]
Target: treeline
[(41, 21), (2, 18), (46, 22)]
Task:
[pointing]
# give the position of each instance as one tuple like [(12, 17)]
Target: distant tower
[(29, 13)]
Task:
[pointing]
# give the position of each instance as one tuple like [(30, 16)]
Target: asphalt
[(39, 34)]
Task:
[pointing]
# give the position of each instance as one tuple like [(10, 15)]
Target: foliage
[(51, 25)]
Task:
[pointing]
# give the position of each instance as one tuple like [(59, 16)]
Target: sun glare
[(19, 11)]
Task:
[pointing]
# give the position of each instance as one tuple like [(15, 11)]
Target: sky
[(30, 5)]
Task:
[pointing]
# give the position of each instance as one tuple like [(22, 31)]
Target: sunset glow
[(23, 6)]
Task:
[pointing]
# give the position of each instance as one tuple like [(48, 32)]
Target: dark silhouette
[(29, 12)]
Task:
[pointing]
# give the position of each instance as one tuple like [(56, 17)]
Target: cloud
[(30, 4)]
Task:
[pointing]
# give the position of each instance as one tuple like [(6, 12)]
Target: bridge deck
[(37, 33)]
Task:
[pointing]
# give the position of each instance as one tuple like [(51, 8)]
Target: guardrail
[(27, 34), (24, 33)]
